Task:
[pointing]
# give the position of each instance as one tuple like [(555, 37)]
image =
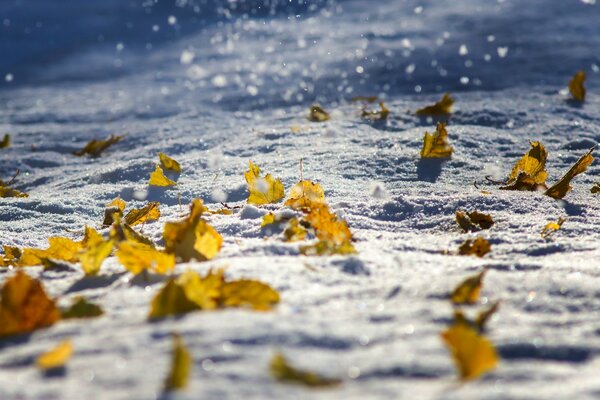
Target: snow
[(224, 84)]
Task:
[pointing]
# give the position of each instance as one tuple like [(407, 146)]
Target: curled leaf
[(562, 187), (150, 212), (95, 147), (473, 221), (552, 227), (376, 115), (181, 365), (576, 86), (436, 145), (169, 163), (158, 178), (529, 173), (442, 107), (317, 114), (284, 372), (473, 354), (56, 357), (467, 292), (263, 190), (475, 247)]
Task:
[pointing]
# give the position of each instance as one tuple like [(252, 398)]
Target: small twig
[(495, 182), (301, 177), (13, 178)]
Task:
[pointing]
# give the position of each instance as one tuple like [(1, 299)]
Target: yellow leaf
[(171, 300), (552, 227), (595, 188), (123, 232), (11, 255), (442, 107), (472, 353), (57, 357), (168, 163), (24, 306), (478, 247), (436, 145), (333, 233), (529, 173), (6, 191), (206, 291), (81, 308), (294, 231), (150, 212), (374, 115), (317, 114), (268, 219), (468, 290), (484, 316), (95, 147), (93, 256), (158, 178), (90, 237), (60, 248), (137, 257), (473, 221), (119, 203), (192, 239), (181, 365), (562, 187), (304, 194), (576, 86), (249, 293), (5, 141), (284, 372), (262, 190)]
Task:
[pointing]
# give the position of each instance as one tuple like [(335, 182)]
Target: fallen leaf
[(150, 212), (92, 257), (468, 290), (205, 292), (24, 306), (473, 354), (529, 173), (181, 365), (473, 221), (171, 300), (115, 206), (552, 227), (333, 233), (262, 190), (284, 372), (158, 178), (137, 257), (562, 187), (304, 194), (56, 357), (442, 107), (5, 141), (576, 86), (249, 293), (81, 308), (169, 163), (317, 114), (120, 232), (95, 147), (294, 231), (376, 115), (595, 188), (10, 192), (436, 145), (475, 247)]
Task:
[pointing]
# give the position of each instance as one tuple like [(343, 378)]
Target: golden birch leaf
[(529, 173), (576, 86), (333, 233), (262, 190), (24, 306), (169, 163), (317, 114), (93, 256), (56, 357), (468, 290), (205, 291), (563, 186), (158, 178), (181, 365), (304, 194), (442, 107), (472, 353), (171, 300), (294, 231), (552, 227), (81, 308), (95, 147), (6, 191), (137, 257), (150, 212), (5, 142), (284, 372), (249, 293), (90, 237), (436, 145), (475, 247), (473, 221)]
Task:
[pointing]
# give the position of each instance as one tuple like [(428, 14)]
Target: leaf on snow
[(5, 142), (117, 206), (475, 247), (333, 233), (442, 107), (576, 86), (170, 300), (473, 354), (137, 257), (436, 145), (284, 372), (56, 357), (249, 293), (24, 306), (169, 163), (158, 178), (552, 227), (473, 221), (94, 255), (294, 231), (529, 173), (317, 114), (562, 187), (304, 195), (6, 191), (95, 147), (150, 212), (262, 190), (181, 365), (467, 292), (376, 115), (81, 308)]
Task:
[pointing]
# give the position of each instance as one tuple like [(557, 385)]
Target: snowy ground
[(221, 86)]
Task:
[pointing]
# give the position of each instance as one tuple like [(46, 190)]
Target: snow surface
[(218, 83)]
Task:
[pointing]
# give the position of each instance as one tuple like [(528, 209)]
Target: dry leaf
[(552, 227), (294, 231), (262, 190), (472, 353), (137, 257), (304, 194), (150, 212), (169, 163), (436, 145), (284, 372), (94, 255), (473, 221), (24, 306), (576, 86), (596, 188), (56, 357), (562, 187), (442, 107), (529, 173), (158, 178), (333, 233), (95, 147), (468, 290), (81, 308), (5, 141), (317, 114), (248, 293), (478, 247), (6, 191), (374, 115), (171, 300), (181, 365), (205, 291)]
